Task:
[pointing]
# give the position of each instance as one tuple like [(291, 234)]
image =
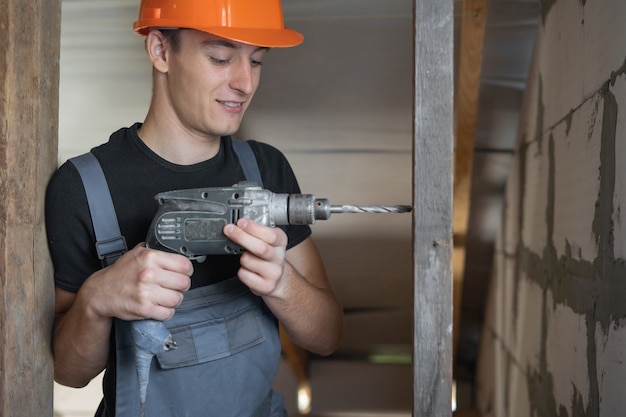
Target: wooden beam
[(472, 35), (297, 358), (432, 203), (29, 79)]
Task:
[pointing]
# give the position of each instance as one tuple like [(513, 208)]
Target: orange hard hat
[(255, 22)]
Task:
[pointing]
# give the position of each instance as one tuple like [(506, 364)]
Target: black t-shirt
[(135, 175)]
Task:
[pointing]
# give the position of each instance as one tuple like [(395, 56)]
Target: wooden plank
[(432, 202), (466, 413), (472, 35), (29, 79), (298, 360)]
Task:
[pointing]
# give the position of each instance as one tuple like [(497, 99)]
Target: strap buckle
[(111, 248)]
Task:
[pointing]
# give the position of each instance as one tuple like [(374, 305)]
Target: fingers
[(165, 277), (168, 270), (146, 283), (263, 261), (165, 303), (260, 240)]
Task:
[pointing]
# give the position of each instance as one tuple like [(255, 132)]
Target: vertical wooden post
[(432, 202), (473, 22), (29, 79)]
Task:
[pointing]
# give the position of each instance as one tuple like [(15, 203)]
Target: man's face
[(211, 81)]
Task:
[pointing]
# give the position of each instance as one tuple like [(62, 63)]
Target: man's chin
[(229, 130)]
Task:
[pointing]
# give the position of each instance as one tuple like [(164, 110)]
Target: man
[(206, 57)]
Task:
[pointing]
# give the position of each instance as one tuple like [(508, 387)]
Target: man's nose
[(243, 77)]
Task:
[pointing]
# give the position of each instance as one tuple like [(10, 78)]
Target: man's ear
[(156, 46)]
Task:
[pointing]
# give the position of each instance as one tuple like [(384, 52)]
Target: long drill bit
[(348, 208)]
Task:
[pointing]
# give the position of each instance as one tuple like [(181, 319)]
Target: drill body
[(190, 222)]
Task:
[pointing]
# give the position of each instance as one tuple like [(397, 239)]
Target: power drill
[(190, 222)]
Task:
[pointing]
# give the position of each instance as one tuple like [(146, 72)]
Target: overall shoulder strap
[(110, 244), (248, 161)]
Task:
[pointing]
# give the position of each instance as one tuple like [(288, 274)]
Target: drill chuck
[(305, 209)]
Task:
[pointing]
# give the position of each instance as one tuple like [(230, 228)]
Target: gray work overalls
[(227, 356), (228, 345)]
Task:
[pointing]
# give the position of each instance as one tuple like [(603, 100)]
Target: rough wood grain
[(432, 202), (29, 79)]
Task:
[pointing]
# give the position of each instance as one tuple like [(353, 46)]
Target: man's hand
[(263, 262), (143, 283), (292, 283)]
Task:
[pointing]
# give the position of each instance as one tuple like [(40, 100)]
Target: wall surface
[(554, 342)]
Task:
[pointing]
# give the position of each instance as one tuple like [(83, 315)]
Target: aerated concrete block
[(577, 180)]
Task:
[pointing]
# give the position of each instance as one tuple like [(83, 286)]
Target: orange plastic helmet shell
[(255, 22)]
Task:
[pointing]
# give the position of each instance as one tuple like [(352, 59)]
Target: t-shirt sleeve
[(278, 177), (69, 230)]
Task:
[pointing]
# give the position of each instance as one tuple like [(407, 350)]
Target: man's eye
[(255, 63), (218, 61)]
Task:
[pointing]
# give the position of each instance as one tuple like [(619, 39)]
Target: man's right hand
[(142, 284)]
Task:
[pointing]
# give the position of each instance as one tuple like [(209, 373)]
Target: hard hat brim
[(271, 38)]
